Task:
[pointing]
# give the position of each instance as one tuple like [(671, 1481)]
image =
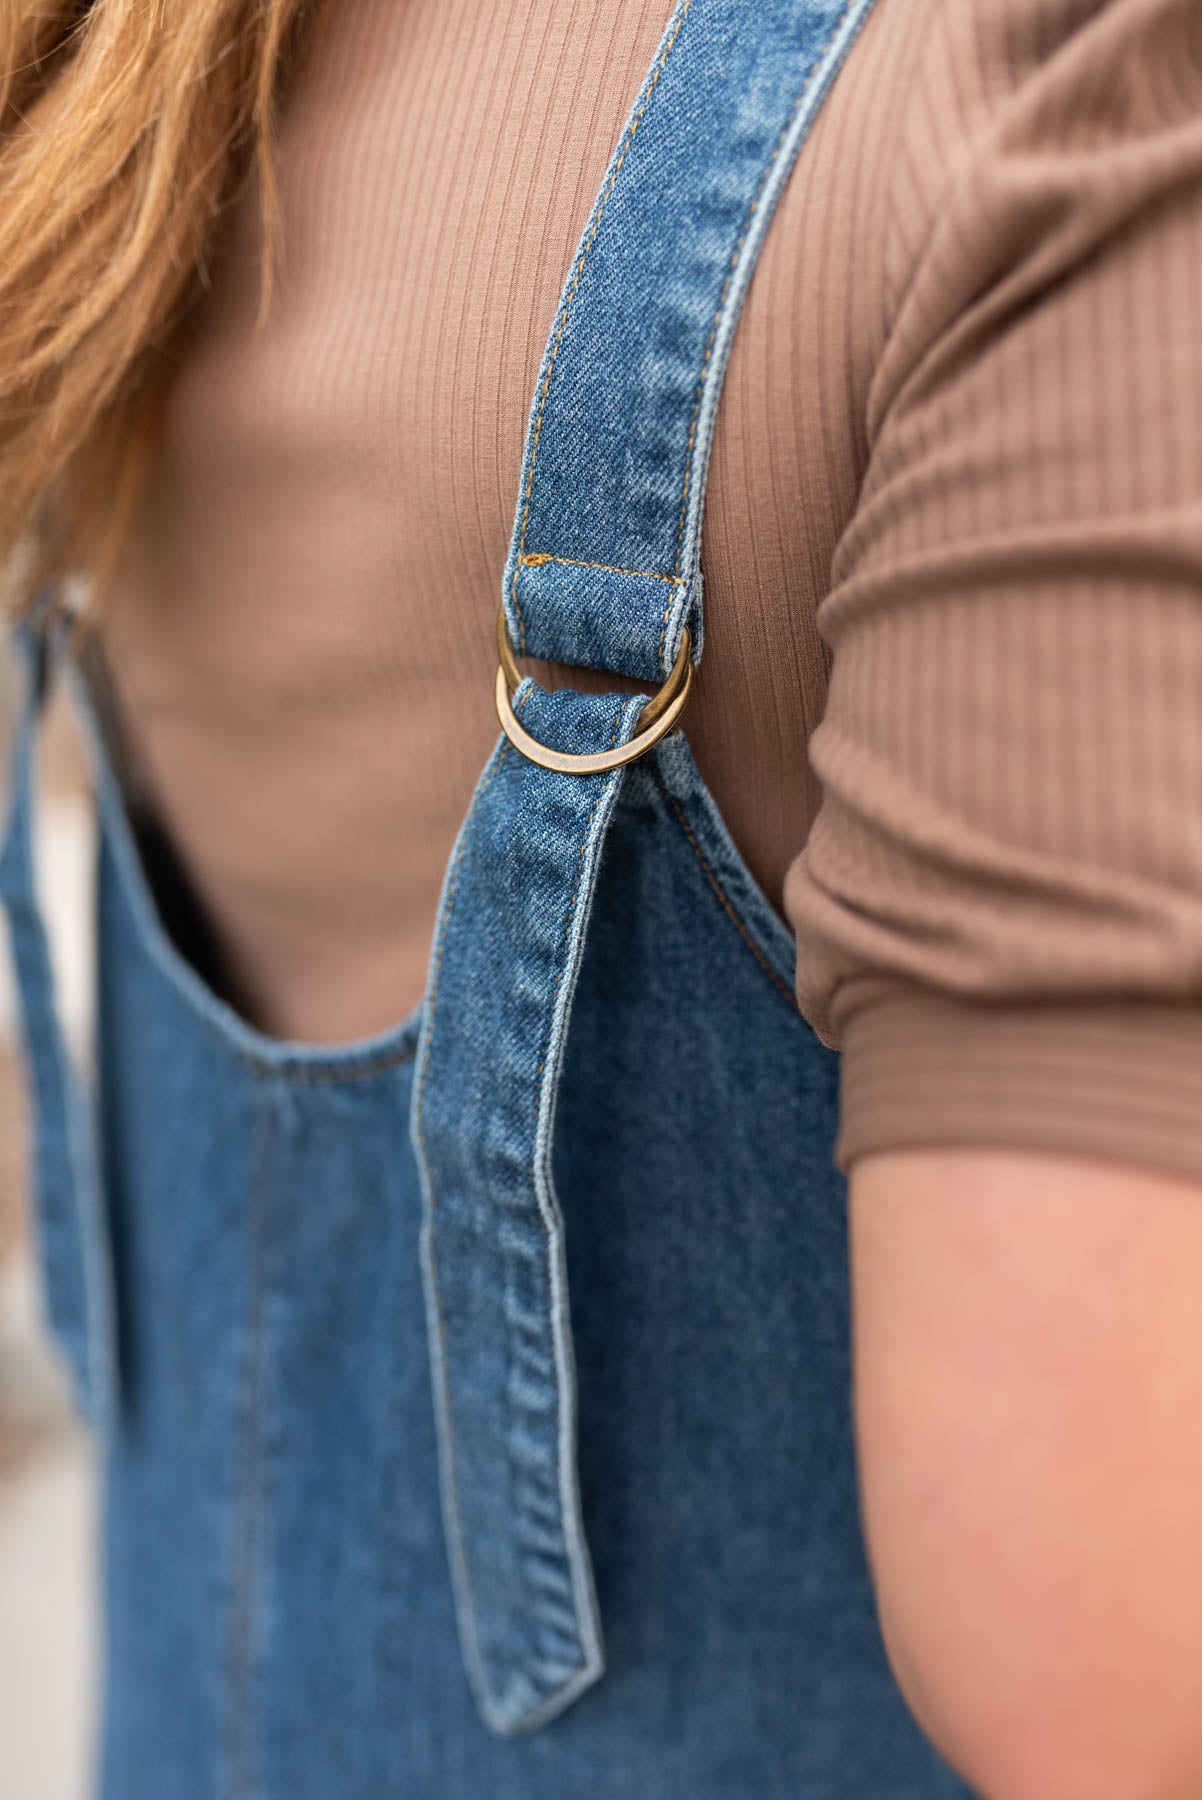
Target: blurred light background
[(47, 1466)]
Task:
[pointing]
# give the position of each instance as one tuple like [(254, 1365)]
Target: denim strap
[(603, 567), (70, 1212), (602, 570)]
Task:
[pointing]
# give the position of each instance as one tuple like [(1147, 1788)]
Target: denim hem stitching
[(246, 1521)]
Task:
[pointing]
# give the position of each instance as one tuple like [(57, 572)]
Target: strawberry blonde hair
[(126, 127)]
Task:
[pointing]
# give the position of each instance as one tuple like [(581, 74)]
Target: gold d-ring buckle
[(655, 721)]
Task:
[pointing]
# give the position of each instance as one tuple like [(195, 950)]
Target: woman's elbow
[(1058, 1728), (1028, 1390)]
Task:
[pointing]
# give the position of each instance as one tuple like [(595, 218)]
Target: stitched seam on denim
[(727, 904), (588, 825), (571, 295), (458, 1546), (248, 1495), (765, 175), (537, 557), (264, 1069)]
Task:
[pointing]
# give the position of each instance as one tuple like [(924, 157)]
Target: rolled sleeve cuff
[(1121, 1080)]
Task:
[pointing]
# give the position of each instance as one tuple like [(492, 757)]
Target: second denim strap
[(604, 564), (72, 1234), (507, 951)]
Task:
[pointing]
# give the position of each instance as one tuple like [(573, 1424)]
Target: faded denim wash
[(477, 1396)]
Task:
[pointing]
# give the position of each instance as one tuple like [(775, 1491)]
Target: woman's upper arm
[(999, 911), (1028, 1334)]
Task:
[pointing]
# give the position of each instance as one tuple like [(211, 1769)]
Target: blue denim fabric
[(603, 568), (279, 1616), (499, 1365)]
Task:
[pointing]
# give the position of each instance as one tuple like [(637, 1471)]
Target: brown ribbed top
[(951, 702)]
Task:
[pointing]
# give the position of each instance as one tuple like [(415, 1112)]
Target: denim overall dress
[(476, 1397)]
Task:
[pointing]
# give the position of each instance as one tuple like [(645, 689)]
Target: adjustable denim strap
[(72, 1239), (602, 571)]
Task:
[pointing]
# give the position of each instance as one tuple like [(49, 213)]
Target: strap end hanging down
[(498, 1006)]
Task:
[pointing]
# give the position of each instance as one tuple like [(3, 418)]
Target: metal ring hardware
[(655, 721)]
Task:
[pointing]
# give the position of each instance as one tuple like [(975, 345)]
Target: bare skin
[(1029, 1416)]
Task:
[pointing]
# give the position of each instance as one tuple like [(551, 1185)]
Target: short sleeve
[(999, 908)]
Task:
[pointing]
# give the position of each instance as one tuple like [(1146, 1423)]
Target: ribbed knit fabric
[(951, 703)]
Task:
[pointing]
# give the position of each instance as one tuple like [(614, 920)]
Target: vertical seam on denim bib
[(765, 176), (565, 309), (588, 826), (248, 1482)]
